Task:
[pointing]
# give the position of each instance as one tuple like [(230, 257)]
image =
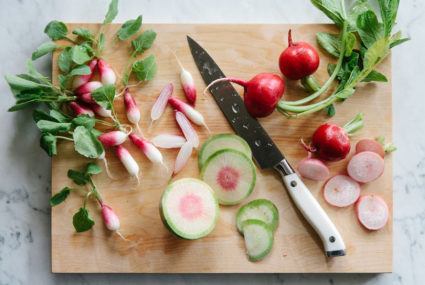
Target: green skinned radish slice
[(258, 239), (231, 174), (189, 208), (260, 209), (222, 141)]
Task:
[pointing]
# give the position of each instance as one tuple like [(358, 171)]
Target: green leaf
[(58, 116), (350, 42), (331, 67), (64, 81), (388, 10), (48, 143), (80, 70), (84, 34), (345, 93), (18, 83), (368, 27), (330, 110), (397, 39), (144, 41), (43, 49), (329, 42), (331, 8), (93, 169), (34, 73), (65, 60), (53, 127), (145, 69), (375, 53), (101, 43), (86, 143), (359, 7), (112, 12), (79, 178), (85, 121), (60, 196), (38, 115), (80, 54), (82, 221), (56, 30), (375, 76), (104, 96), (96, 132), (129, 28)]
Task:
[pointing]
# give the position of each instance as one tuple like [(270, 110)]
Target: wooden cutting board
[(241, 51)]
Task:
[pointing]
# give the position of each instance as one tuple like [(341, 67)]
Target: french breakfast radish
[(372, 212), (86, 98), (80, 110), (190, 112), (83, 79), (101, 111), (149, 150), (110, 219), (89, 87), (128, 161), (132, 111), (107, 74), (187, 83), (158, 107), (187, 129), (168, 141), (112, 138), (366, 166), (261, 93), (313, 169), (341, 191)]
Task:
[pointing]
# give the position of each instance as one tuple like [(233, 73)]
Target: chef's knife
[(265, 152)]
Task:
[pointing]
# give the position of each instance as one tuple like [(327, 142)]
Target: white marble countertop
[(25, 169)]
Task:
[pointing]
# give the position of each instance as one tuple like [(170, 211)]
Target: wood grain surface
[(241, 51)]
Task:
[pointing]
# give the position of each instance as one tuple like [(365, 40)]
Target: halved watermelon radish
[(341, 191), (231, 174), (189, 208), (372, 212), (222, 141), (260, 209), (258, 239)]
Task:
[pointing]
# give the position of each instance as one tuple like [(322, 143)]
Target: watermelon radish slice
[(341, 191), (231, 174), (222, 141), (189, 208), (372, 212), (260, 209), (258, 239)]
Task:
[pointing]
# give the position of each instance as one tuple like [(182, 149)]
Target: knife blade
[(264, 150)]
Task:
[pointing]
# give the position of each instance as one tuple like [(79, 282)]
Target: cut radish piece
[(191, 113), (189, 208), (231, 174), (365, 166), (260, 209), (370, 145), (168, 141), (160, 103), (341, 191), (222, 141), (183, 157), (372, 212), (258, 239), (313, 169), (187, 129)]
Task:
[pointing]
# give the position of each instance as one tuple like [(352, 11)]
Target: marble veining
[(25, 169)]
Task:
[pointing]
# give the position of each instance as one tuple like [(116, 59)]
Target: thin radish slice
[(187, 129), (313, 169), (372, 212), (183, 157), (161, 102), (370, 145), (191, 113), (341, 191), (168, 141), (365, 166)]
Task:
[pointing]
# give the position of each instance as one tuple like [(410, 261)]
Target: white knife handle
[(313, 213)]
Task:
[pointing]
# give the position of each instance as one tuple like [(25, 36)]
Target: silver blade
[(263, 148)]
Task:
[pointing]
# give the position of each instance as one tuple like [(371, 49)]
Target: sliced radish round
[(365, 166), (258, 239), (189, 208), (341, 191), (372, 212), (259, 209), (313, 169), (370, 145), (231, 174), (168, 141)]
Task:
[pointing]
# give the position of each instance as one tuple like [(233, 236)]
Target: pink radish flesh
[(183, 157), (228, 178), (365, 166), (161, 102), (150, 151), (128, 161), (341, 191), (88, 87), (372, 212), (133, 112), (313, 169), (187, 129), (192, 114), (168, 141), (107, 75), (83, 79), (113, 138), (370, 145), (111, 220), (80, 110)]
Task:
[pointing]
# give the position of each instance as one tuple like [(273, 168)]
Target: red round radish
[(372, 212), (261, 93), (313, 169), (370, 145), (365, 166), (298, 60), (341, 191)]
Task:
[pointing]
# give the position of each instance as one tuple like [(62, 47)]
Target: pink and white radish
[(128, 161), (89, 87), (86, 98), (83, 79), (190, 112), (370, 145), (80, 110), (161, 102), (188, 83), (313, 169), (100, 111), (187, 129), (113, 138), (150, 151), (341, 191), (183, 157), (107, 74), (132, 111), (372, 212), (111, 220), (365, 166), (168, 141)]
